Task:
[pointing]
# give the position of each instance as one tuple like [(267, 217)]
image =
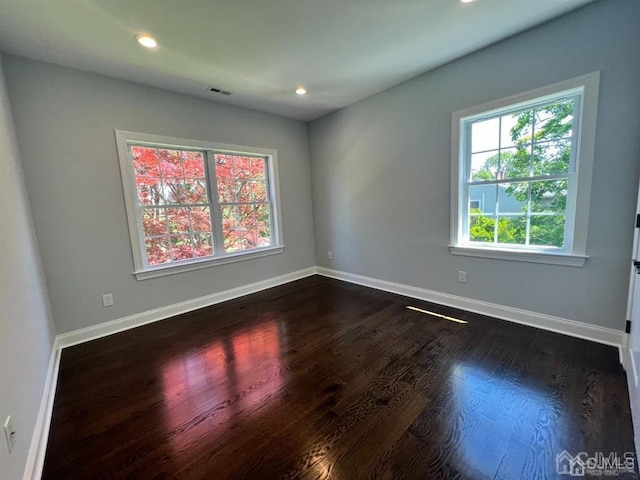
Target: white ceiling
[(260, 50)]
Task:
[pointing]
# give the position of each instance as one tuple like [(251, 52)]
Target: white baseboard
[(150, 316), (607, 336), (38, 447)]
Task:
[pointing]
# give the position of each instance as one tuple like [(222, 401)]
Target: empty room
[(336, 239)]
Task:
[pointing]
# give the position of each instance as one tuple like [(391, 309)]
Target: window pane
[(554, 121), (263, 225), (191, 190), (258, 191), (245, 227), (178, 219), (512, 198), (241, 179), (154, 221), (203, 244), (227, 190), (244, 194), (228, 187), (170, 163), (512, 208), (512, 229), (515, 162), (549, 196), (242, 168), (485, 135), (157, 250), (144, 193), (200, 219), (181, 248), (149, 191), (547, 230), (482, 199), (521, 131), (145, 161), (507, 122), (551, 157), (174, 191), (258, 169), (195, 190), (160, 176), (484, 166), (193, 163), (231, 229), (481, 228), (245, 191), (234, 166), (224, 167)]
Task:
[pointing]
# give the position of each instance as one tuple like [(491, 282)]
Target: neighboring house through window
[(521, 174), (193, 204)]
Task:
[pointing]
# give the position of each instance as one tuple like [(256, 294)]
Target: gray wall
[(65, 121), (381, 170), (26, 332)]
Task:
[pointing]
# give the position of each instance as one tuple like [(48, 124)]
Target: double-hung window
[(193, 204), (521, 174)]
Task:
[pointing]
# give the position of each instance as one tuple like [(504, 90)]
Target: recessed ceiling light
[(466, 1), (146, 40), (301, 91)]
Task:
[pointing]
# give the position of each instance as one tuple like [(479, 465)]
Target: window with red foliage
[(174, 203), (242, 191), (194, 203)]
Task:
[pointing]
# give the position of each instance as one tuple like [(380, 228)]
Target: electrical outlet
[(9, 433), (330, 255), (107, 300), (462, 276)]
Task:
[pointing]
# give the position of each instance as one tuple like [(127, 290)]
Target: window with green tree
[(518, 173)]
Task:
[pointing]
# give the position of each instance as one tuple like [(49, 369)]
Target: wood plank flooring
[(320, 379)]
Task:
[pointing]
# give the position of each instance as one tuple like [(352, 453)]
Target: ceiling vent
[(218, 90)]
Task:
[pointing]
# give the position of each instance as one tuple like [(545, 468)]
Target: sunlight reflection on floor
[(495, 412), (229, 376)]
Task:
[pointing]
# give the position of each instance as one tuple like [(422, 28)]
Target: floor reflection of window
[(192, 386), (203, 390), (257, 363), (494, 415)]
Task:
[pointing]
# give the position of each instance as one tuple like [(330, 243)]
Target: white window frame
[(144, 271), (574, 252)]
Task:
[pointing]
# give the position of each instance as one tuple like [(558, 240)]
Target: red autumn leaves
[(176, 213)]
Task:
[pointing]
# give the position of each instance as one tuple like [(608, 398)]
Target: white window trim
[(123, 138), (573, 255)]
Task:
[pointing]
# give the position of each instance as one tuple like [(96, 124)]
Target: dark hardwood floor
[(323, 379)]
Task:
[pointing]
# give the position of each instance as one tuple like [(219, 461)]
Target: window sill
[(206, 263), (570, 260)]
